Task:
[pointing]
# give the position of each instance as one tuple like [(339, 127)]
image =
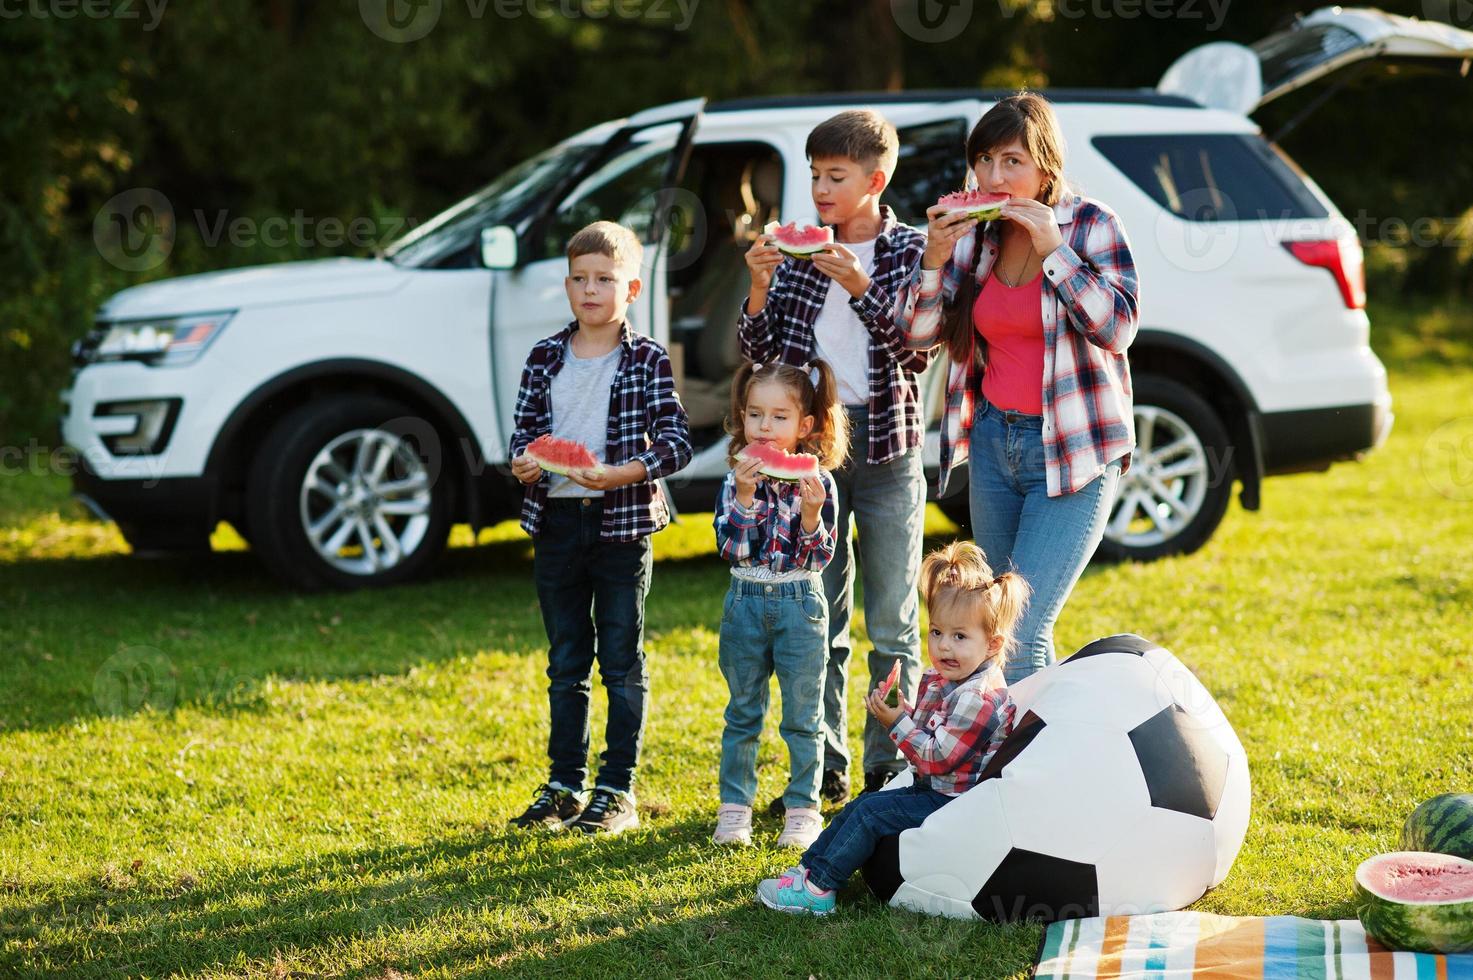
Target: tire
[(346, 492), (1180, 478)]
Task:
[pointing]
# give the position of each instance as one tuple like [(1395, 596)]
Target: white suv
[(343, 413)]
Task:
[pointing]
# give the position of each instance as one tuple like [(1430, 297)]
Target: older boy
[(839, 307), (598, 383)]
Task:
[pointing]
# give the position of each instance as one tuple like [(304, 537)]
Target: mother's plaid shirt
[(783, 331), (1090, 316), (646, 422), (955, 727)]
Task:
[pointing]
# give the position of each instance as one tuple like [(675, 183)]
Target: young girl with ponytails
[(778, 536)]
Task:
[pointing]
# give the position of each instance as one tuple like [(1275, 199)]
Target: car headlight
[(171, 341)]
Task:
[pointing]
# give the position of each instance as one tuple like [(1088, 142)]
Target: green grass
[(203, 775)]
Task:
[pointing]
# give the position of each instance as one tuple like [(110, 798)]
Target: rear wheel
[(344, 493)]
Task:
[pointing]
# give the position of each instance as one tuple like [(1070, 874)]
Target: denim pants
[(592, 597), (773, 628), (850, 838), (887, 502), (1047, 540)]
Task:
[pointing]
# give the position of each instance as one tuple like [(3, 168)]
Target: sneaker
[(834, 789), (554, 808), (876, 779), (792, 893), (609, 812), (733, 825), (800, 828)]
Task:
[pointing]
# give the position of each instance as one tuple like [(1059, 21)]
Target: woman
[(1036, 309)]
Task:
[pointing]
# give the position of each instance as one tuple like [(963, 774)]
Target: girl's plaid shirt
[(783, 331), (954, 729), (1090, 316), (770, 532), (646, 422)]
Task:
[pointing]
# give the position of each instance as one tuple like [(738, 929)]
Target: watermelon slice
[(561, 456), (977, 204), (1443, 824), (799, 241), (781, 465), (890, 687), (1417, 900)]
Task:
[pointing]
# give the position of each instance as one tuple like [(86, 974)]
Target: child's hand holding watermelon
[(525, 468), (885, 701), (746, 474)]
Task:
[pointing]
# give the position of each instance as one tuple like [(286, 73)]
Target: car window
[(1284, 57), (932, 162), (625, 189), (1213, 176)]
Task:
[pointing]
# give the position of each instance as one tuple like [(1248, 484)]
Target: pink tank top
[(1010, 319)]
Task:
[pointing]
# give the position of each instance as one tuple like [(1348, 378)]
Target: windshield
[(507, 200)]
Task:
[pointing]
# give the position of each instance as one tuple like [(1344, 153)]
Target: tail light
[(1344, 258)]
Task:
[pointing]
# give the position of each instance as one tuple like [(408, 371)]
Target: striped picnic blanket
[(1181, 945)]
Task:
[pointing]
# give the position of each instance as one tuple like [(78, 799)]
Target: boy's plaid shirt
[(646, 422), (954, 729), (783, 331), (770, 532), (1090, 316)]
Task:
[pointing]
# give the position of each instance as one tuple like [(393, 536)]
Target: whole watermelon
[(1443, 824)]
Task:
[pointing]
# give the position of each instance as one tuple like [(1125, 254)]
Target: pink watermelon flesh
[(799, 241), (561, 456), (781, 465), (1419, 877), (979, 204), (890, 687)]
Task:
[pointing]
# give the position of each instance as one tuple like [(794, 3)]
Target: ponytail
[(959, 574)]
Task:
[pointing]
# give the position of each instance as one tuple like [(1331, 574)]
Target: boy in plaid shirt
[(839, 307), (961, 716), (598, 383)]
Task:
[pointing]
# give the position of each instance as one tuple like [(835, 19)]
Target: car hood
[(256, 286)]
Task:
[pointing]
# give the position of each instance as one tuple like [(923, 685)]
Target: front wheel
[(345, 493), (1180, 479)]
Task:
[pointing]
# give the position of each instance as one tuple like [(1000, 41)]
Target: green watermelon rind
[(1419, 927), (891, 684), (1443, 824)]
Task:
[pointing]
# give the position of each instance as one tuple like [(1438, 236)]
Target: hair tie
[(812, 368)]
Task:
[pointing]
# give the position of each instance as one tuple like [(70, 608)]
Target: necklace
[(1013, 283)]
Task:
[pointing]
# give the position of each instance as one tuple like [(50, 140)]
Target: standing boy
[(598, 383), (839, 307)]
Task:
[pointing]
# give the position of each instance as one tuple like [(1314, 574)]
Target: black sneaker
[(553, 808), (876, 779), (608, 813), (834, 789)]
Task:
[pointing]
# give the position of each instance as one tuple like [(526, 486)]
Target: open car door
[(1347, 40)]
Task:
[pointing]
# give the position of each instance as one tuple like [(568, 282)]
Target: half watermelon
[(1417, 900), (781, 465), (561, 456), (977, 204), (890, 687), (799, 241)]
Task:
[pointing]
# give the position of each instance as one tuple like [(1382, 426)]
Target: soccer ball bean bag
[(1122, 790)]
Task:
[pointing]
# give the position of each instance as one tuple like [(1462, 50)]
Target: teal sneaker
[(792, 893)]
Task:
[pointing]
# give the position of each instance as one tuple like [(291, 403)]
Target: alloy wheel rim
[(1166, 485), (365, 502)]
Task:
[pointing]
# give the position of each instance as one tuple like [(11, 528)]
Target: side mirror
[(499, 247)]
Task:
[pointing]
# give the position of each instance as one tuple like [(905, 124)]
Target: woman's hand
[(745, 474), (811, 495), (1038, 219), (943, 231), (524, 468), (875, 704), (842, 266)]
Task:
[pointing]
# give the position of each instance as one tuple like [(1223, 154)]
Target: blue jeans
[(592, 597), (850, 838), (888, 504), (1047, 540), (771, 629)]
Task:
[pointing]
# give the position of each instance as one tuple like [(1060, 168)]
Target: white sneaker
[(733, 825), (801, 828)]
